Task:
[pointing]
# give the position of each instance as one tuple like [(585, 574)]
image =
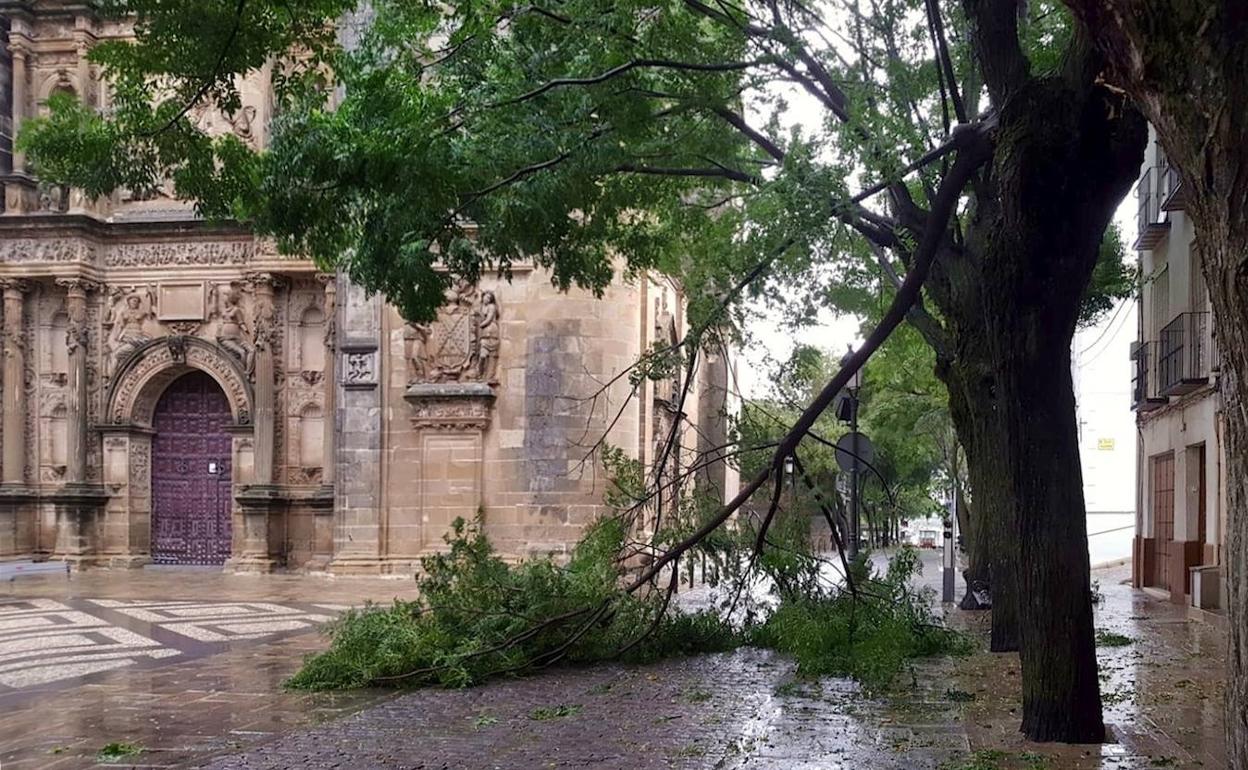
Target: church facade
[(176, 391)]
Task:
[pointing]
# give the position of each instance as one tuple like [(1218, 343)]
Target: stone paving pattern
[(226, 710)]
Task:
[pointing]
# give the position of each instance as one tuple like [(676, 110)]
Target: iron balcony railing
[(1144, 396), (1183, 354), (1150, 225), (1171, 193)]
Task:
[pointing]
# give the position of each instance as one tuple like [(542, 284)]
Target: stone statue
[(489, 339), (415, 351), (231, 334)]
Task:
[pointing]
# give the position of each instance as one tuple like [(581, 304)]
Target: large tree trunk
[(1065, 157), (1061, 696), (972, 401), (1185, 63)]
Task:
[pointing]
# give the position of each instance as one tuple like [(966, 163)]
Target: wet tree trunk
[(1065, 157), (972, 400), (1185, 63)]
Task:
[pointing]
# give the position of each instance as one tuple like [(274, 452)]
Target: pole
[(854, 525), (950, 559)]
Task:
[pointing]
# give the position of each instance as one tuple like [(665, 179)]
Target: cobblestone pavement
[(742, 710)]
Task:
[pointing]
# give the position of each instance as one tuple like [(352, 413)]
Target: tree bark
[(972, 407), (1065, 157), (1185, 64)]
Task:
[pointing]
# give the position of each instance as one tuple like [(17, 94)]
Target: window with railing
[(1170, 193), (1183, 353), (1144, 396)]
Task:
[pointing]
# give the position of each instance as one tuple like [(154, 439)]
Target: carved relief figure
[(241, 122), (76, 331), (489, 340), (128, 325), (462, 344), (231, 334), (263, 327), (415, 343)]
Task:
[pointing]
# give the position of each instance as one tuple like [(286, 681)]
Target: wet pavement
[(217, 703), (184, 663)]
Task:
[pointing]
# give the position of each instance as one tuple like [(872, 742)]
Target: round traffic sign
[(851, 444)]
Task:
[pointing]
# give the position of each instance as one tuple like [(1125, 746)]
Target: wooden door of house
[(191, 473), (1163, 517)]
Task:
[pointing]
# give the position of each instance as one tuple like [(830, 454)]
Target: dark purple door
[(191, 473)]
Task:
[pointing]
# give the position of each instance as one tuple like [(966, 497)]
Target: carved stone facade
[(355, 439)]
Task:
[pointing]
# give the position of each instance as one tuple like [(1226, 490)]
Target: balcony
[(1171, 186), (1144, 396), (1183, 354), (1151, 226)]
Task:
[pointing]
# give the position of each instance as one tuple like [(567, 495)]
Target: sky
[(774, 343)]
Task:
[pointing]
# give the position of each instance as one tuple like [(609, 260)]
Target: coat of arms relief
[(461, 344)]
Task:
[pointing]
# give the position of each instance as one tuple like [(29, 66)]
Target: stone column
[(262, 503), (14, 454), (78, 505), (329, 462), (264, 327), (76, 339), (18, 49)]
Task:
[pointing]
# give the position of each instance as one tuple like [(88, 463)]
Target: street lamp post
[(851, 389)]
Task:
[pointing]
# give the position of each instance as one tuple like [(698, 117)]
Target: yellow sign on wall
[(1105, 444)]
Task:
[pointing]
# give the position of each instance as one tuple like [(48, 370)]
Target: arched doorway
[(191, 474)]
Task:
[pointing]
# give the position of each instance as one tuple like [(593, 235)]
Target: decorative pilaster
[(76, 340), (329, 463), (263, 504), (13, 470), (264, 329), (359, 524), (78, 505)]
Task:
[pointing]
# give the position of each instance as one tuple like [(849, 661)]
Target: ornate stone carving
[(77, 333), (179, 253), (46, 250), (232, 329), (14, 338), (450, 406), (142, 377), (461, 345), (185, 328), (53, 198), (126, 321), (177, 349), (264, 314), (360, 368), (488, 340)]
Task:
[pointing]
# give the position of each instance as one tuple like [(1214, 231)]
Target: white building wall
[(1100, 356)]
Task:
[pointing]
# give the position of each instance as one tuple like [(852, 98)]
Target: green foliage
[(473, 604), (1111, 639), (545, 713), (870, 639), (985, 759), (1114, 278), (118, 750), (479, 617)]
